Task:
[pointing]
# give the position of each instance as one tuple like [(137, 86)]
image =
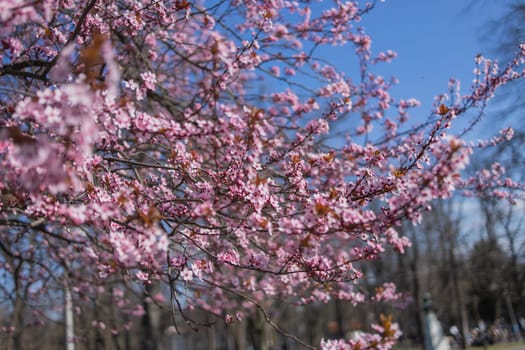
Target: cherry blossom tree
[(206, 150)]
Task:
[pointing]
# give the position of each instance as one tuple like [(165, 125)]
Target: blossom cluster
[(136, 145)]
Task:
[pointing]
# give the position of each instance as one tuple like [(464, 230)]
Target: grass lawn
[(502, 346), (499, 346)]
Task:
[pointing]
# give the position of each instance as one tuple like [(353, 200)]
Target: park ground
[(499, 346)]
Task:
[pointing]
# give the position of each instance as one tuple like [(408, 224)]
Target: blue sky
[(434, 40)]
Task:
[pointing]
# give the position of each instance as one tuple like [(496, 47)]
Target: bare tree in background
[(502, 36)]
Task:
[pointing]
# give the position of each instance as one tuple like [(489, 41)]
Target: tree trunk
[(150, 322), (463, 325), (13, 342), (239, 331), (68, 316), (260, 333), (212, 335)]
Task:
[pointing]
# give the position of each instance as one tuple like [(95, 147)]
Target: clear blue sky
[(434, 40)]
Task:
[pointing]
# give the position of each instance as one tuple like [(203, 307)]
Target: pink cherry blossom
[(212, 154)]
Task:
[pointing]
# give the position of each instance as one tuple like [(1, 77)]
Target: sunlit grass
[(498, 346), (502, 346)]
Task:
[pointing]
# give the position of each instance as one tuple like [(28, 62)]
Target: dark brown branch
[(73, 36)]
